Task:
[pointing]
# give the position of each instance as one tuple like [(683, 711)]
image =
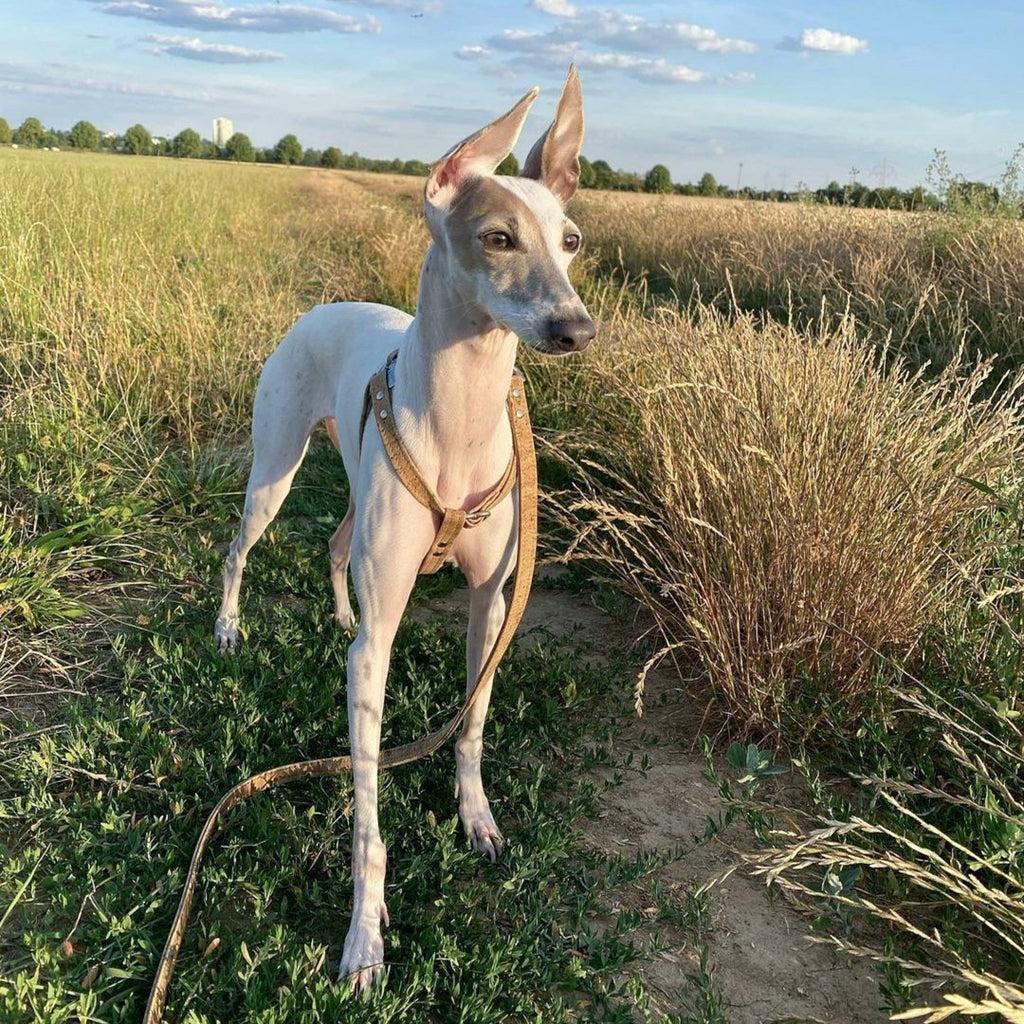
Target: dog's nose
[(571, 334)]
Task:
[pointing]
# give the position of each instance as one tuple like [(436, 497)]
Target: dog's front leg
[(486, 612), (363, 958), (384, 574), (486, 570)]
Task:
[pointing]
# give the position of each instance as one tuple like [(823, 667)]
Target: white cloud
[(473, 53), (643, 68), (537, 49), (613, 28), (214, 15), (216, 53), (610, 39), (823, 40), (556, 8)]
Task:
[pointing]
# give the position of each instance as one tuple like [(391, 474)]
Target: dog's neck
[(455, 369)]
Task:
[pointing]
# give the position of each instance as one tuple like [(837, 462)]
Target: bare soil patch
[(763, 962)]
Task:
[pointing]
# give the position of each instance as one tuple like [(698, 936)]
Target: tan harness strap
[(453, 520), (525, 464)]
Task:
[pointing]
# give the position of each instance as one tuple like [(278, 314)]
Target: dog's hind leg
[(341, 546), (279, 446)]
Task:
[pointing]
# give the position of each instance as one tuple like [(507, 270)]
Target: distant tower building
[(223, 129)]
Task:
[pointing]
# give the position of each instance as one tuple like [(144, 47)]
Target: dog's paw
[(362, 962), (480, 827), (226, 632), (347, 621), (487, 839)]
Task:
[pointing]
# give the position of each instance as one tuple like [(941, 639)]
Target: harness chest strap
[(453, 520), (525, 463)]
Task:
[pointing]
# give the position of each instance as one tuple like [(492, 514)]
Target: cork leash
[(523, 465)]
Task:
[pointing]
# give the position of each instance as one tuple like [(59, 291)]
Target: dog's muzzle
[(570, 334)]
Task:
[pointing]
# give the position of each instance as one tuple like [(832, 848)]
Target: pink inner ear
[(451, 170), (447, 174)]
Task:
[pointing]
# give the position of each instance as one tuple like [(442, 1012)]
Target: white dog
[(496, 272)]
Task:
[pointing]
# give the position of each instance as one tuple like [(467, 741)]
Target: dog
[(496, 272)]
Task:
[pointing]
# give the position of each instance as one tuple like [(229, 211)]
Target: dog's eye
[(571, 243), (497, 240)]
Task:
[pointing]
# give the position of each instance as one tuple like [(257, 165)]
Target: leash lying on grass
[(525, 467)]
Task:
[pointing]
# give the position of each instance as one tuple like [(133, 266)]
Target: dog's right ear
[(478, 155), (555, 157)]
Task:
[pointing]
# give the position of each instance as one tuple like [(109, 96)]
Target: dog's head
[(507, 241)]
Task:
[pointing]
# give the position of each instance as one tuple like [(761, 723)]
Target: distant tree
[(187, 144), (288, 150), (5, 133), (832, 194), (658, 179), (331, 157), (915, 198), (416, 167), (588, 178), (137, 140), (604, 176), (29, 133), (311, 158), (707, 186), (84, 135), (510, 166), (627, 181), (239, 148)]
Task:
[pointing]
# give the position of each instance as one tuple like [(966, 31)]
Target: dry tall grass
[(789, 511), (928, 280), (944, 854), (159, 287)]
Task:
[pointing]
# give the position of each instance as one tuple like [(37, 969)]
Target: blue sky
[(800, 91)]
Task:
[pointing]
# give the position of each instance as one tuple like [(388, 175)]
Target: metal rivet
[(383, 414), (515, 392), (380, 395), (519, 414)]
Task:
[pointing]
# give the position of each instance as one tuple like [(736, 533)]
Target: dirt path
[(762, 962)]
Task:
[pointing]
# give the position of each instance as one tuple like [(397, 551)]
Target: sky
[(764, 94)]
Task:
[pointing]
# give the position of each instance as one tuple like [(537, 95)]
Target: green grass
[(98, 817)]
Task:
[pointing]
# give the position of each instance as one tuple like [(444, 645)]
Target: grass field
[(825, 527)]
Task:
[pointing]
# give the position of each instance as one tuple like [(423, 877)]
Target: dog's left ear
[(555, 157)]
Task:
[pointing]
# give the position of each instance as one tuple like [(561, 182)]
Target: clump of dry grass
[(784, 507)]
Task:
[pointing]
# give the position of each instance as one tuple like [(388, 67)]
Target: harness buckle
[(476, 518)]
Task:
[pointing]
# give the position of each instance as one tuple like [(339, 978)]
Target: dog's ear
[(479, 154), (555, 157)]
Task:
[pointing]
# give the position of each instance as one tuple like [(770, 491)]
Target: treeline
[(189, 144), (954, 193), (951, 192)]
